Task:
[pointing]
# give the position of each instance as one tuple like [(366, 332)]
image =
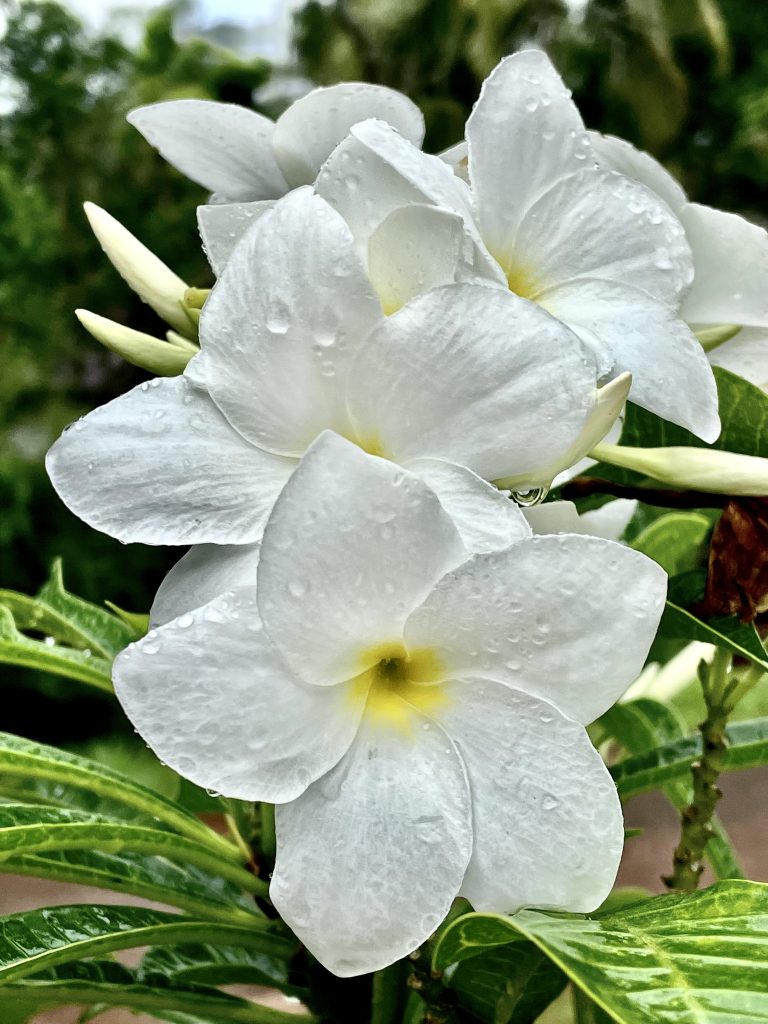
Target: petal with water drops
[(212, 697), (371, 856), (354, 544), (161, 465), (566, 618), (546, 816), (224, 147)]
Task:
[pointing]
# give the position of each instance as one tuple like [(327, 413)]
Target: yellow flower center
[(520, 280), (397, 681)]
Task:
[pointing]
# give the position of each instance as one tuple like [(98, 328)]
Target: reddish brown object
[(737, 573)]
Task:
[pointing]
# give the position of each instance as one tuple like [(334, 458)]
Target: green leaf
[(509, 985), (747, 748), (137, 622), (640, 726), (153, 878), (691, 958), (27, 829), (106, 983), (743, 415), (214, 965), (675, 541), (81, 665), (39, 774), (36, 940), (69, 619), (677, 622)]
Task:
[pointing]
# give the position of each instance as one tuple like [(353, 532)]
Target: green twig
[(440, 1001), (697, 828), (389, 994)]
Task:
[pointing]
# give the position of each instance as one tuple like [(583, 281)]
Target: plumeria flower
[(464, 384), (595, 248), (730, 258), (242, 156), (417, 717)]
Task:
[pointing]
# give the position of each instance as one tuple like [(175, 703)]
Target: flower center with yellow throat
[(398, 680)]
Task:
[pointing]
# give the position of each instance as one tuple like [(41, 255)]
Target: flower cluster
[(366, 630)]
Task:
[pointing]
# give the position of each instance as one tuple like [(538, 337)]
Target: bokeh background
[(685, 79)]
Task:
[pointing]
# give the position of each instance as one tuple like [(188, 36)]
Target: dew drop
[(533, 496)]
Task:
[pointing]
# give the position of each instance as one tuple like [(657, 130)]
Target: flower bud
[(700, 469), (164, 358), (147, 275)]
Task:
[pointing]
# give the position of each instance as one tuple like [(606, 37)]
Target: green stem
[(268, 839), (440, 1001), (696, 818), (389, 993)]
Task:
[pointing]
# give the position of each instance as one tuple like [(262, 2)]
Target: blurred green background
[(685, 79)]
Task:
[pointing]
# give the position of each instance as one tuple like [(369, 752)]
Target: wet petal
[(224, 147), (282, 323), (222, 225), (310, 129), (352, 547), (371, 856), (546, 815), (161, 465), (205, 572), (214, 700), (566, 618)]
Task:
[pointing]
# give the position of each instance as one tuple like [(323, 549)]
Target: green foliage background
[(688, 81)]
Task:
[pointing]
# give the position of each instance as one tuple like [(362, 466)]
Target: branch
[(585, 486)]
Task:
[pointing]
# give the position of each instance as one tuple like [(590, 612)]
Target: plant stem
[(268, 840), (440, 1001), (696, 817), (389, 994), (585, 486)]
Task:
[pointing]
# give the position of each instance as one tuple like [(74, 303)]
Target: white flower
[(464, 384), (240, 155), (730, 259), (418, 718), (593, 247)]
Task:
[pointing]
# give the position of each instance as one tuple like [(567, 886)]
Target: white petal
[(370, 857), (731, 259), (567, 618), (610, 520), (486, 519), (311, 128), (375, 171), (523, 135), (456, 157), (621, 156), (597, 224), (552, 517), (352, 547), (670, 373), (212, 697), (546, 815), (602, 421), (282, 323), (205, 572), (416, 248), (474, 375), (222, 146), (746, 354), (222, 225), (161, 465)]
